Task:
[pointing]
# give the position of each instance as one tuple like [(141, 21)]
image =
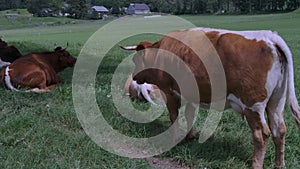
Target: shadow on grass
[(215, 150)]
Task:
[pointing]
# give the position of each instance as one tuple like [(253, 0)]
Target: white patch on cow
[(251, 35), (293, 103), (260, 107), (3, 63), (144, 88), (37, 90), (236, 103), (275, 77), (238, 106), (276, 81), (136, 87), (8, 81), (277, 119)]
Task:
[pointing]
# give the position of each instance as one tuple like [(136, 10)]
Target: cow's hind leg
[(43, 89), (275, 111), (260, 134)]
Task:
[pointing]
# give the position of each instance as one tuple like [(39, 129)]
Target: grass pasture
[(42, 130)]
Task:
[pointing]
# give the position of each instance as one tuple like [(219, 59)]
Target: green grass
[(15, 11), (297, 11), (42, 130)]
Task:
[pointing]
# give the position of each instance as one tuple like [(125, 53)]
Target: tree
[(77, 8), (35, 6), (293, 4), (3, 5), (12, 4), (242, 5), (116, 8), (155, 5), (56, 5), (199, 6)]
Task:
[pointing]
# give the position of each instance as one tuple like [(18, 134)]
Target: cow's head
[(2, 43), (65, 59), (143, 59), (8, 53)]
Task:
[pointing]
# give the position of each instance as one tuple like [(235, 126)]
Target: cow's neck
[(52, 60)]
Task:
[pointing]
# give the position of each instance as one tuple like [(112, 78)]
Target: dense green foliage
[(12, 4), (79, 8), (42, 130)]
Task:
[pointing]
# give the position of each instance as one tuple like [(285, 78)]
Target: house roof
[(141, 7), (137, 9), (100, 9)]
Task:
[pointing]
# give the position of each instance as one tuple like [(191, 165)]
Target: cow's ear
[(143, 45)]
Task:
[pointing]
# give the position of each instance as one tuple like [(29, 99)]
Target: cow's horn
[(67, 46), (55, 45), (128, 47), (144, 90)]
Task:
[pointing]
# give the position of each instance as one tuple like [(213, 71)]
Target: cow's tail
[(2, 78), (7, 80), (292, 100)]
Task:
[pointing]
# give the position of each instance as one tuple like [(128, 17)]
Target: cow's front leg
[(190, 116), (54, 79), (260, 134), (172, 106)]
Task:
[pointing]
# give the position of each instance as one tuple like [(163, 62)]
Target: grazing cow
[(37, 72), (8, 54), (142, 92), (259, 75)]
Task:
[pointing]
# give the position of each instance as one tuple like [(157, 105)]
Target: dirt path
[(163, 163)]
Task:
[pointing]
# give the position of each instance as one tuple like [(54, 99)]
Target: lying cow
[(37, 72), (8, 54), (259, 75), (142, 92)]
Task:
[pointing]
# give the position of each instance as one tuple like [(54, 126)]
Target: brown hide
[(39, 70), (246, 65), (245, 68)]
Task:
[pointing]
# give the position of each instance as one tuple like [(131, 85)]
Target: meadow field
[(43, 131)]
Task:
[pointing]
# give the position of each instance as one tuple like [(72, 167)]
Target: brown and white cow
[(37, 72), (8, 54), (143, 92), (259, 75)]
